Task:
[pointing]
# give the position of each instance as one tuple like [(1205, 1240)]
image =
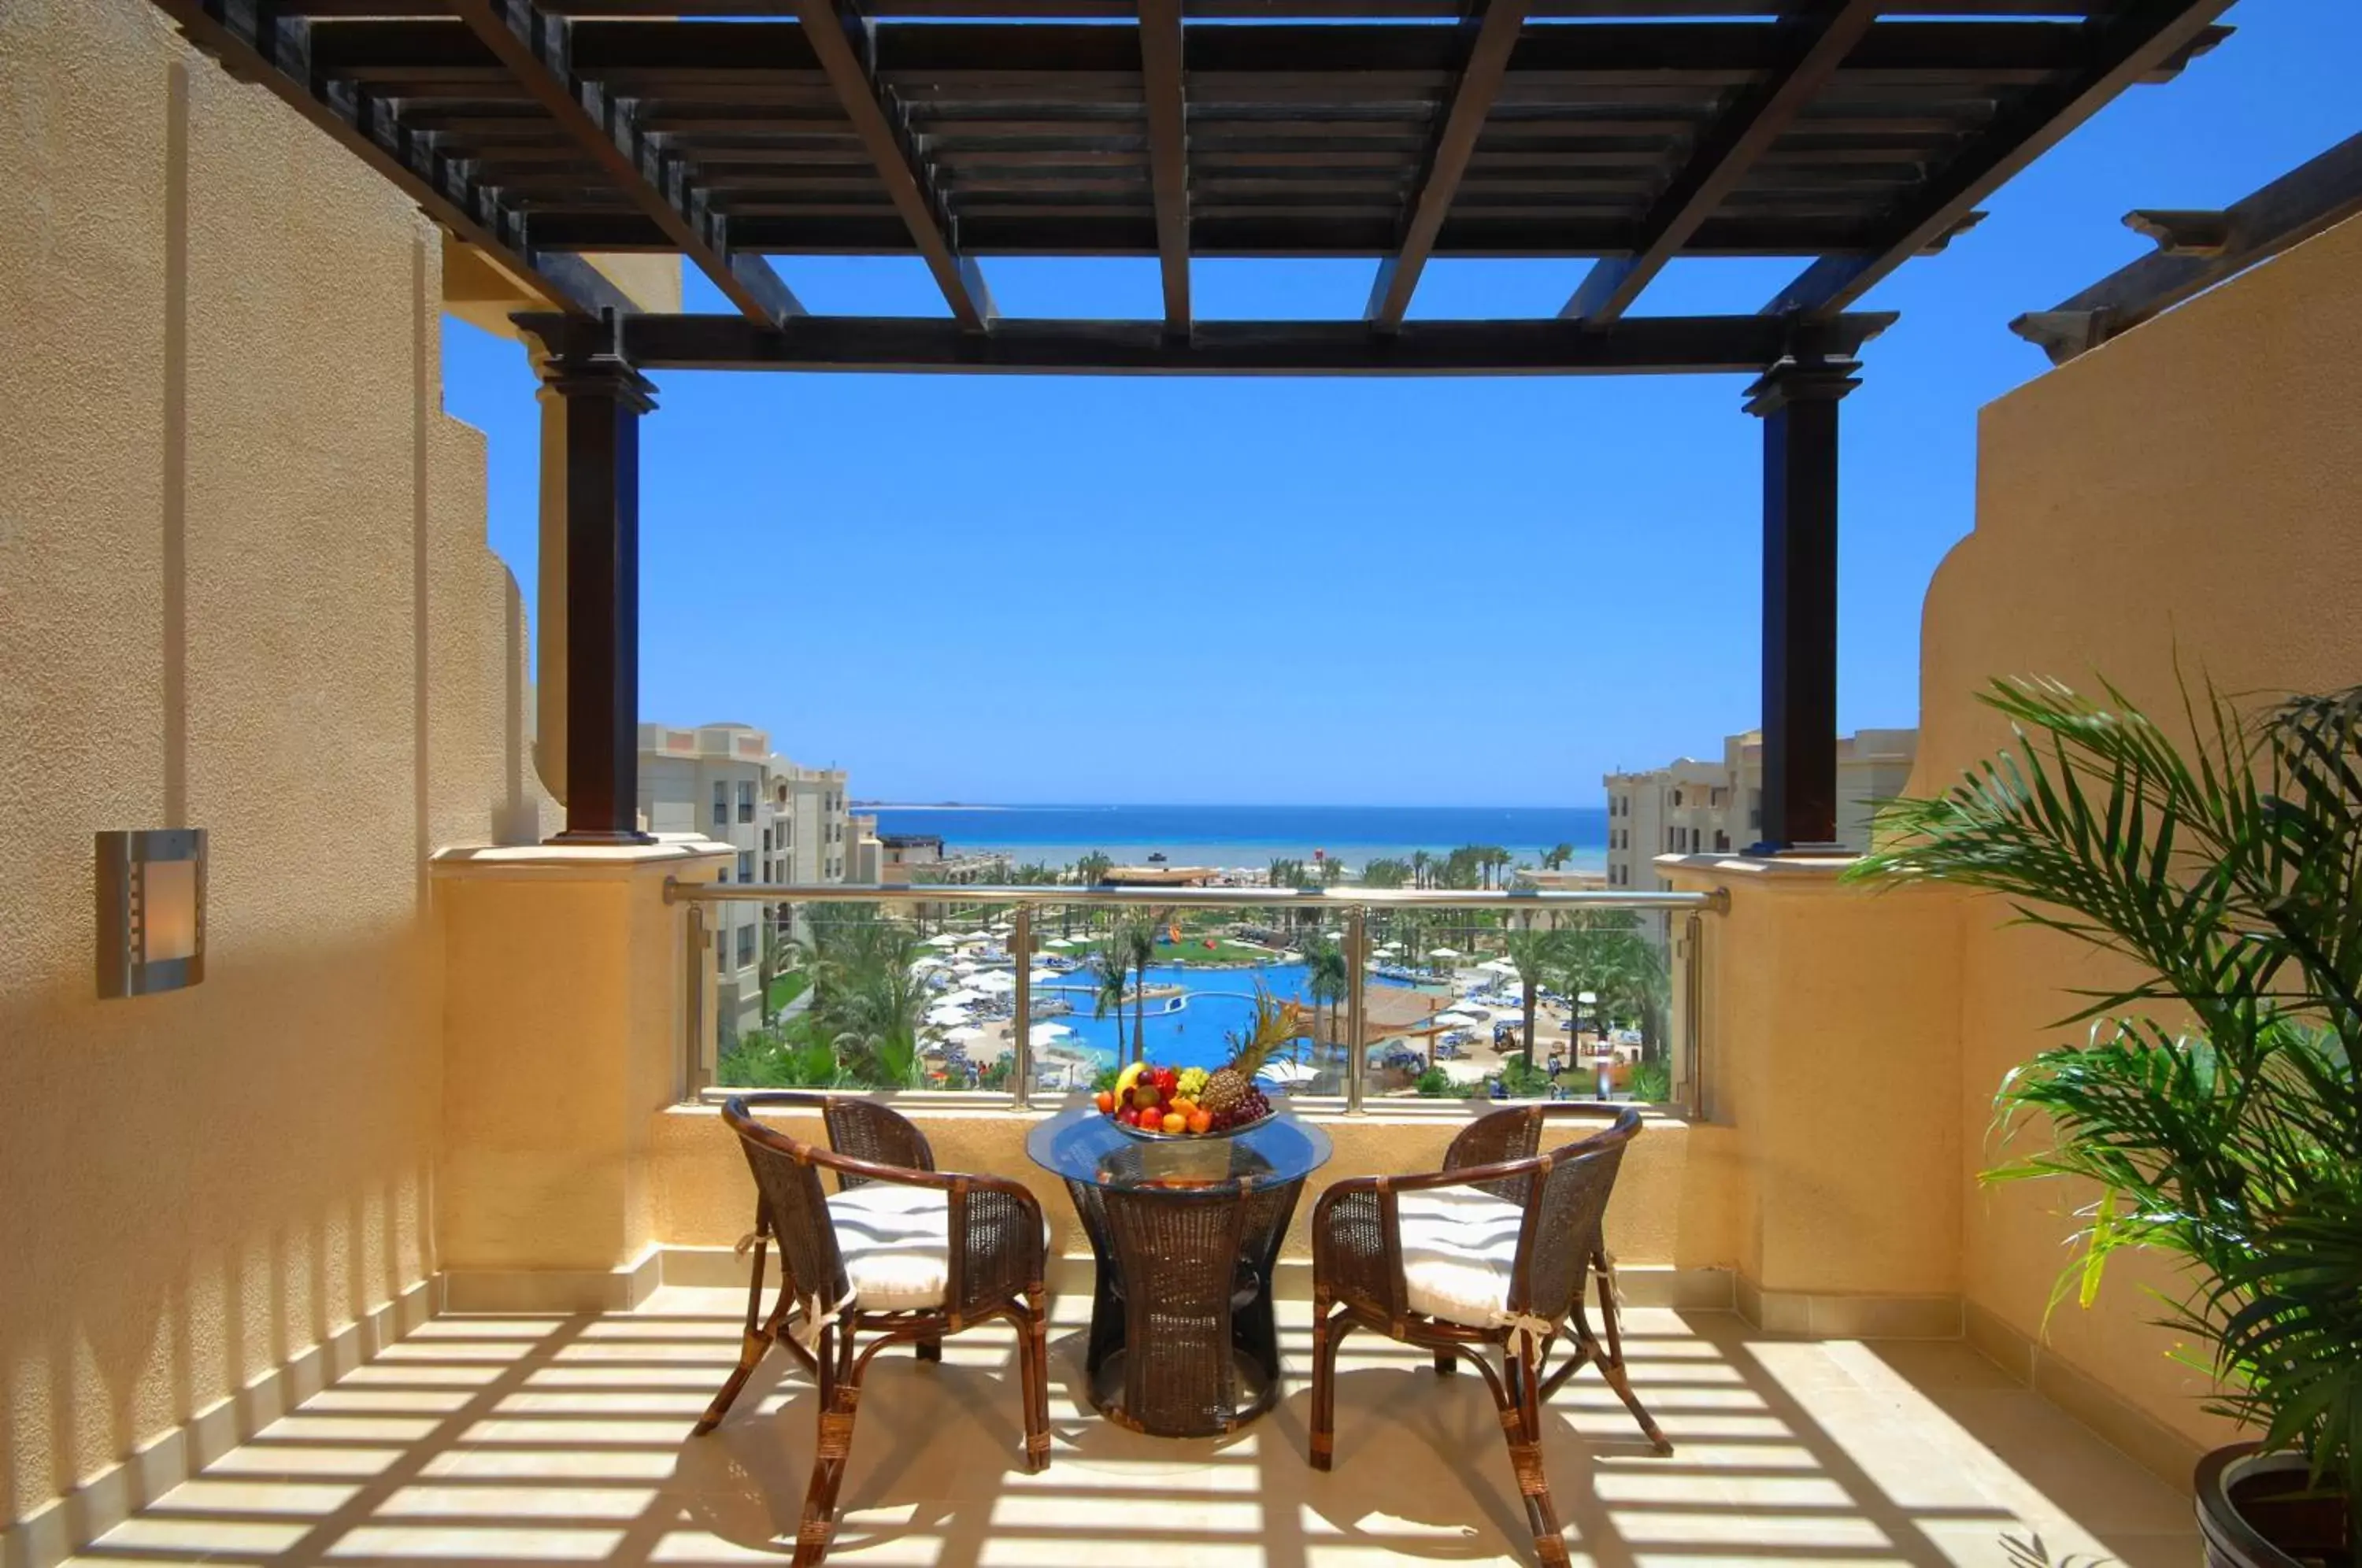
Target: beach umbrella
[(966, 1034), (1387, 947), (995, 980), (1286, 1073), (1059, 941), (1456, 1019), (925, 961), (1044, 1033), (1443, 952), (943, 939), (1499, 965), (960, 997)]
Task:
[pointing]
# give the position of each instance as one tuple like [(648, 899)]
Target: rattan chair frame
[(998, 1280), (1359, 1285)]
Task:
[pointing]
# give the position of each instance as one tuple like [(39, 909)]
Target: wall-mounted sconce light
[(151, 911)]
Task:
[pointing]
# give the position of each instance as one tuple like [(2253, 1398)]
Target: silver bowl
[(1145, 1136)]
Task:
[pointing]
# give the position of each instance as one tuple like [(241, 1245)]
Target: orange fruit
[(1106, 1102), (1184, 1104), (1176, 1122), (1199, 1120)]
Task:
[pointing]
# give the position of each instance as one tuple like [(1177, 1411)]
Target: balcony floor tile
[(490, 1440)]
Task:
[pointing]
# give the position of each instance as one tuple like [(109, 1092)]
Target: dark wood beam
[(534, 49), (1168, 150), (274, 53), (1726, 344), (2129, 47), (2197, 250), (1493, 37), (838, 38), (1821, 39)]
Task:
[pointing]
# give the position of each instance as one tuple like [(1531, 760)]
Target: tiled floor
[(500, 1440)]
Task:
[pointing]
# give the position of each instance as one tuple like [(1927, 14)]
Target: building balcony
[(1787, 1230)]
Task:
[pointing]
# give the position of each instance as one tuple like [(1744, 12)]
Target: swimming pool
[(1217, 1004)]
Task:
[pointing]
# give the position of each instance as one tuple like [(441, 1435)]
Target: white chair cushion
[(1458, 1247), (896, 1242)]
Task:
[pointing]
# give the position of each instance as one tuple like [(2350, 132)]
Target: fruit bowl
[(1131, 1130), (1162, 1103)]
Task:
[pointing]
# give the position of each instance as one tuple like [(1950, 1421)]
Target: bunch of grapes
[(1254, 1108)]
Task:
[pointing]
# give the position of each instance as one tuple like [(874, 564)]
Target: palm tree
[(1327, 976), (1534, 953), (1420, 861), (1109, 965), (1138, 935), (1555, 858)]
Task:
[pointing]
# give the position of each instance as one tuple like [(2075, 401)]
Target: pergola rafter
[(534, 48), (275, 53), (1161, 87), (2144, 40), (837, 37), (1740, 138), (1857, 133), (1493, 35)]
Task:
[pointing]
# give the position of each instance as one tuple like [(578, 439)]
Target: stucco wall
[(244, 587), (2190, 490)]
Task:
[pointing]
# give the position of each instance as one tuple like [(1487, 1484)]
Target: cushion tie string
[(1529, 1334), (814, 1320), (747, 1243)]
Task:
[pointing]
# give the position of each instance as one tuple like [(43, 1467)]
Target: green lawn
[(787, 988), (1193, 950)]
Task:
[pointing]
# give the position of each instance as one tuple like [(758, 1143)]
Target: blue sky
[(1018, 590)]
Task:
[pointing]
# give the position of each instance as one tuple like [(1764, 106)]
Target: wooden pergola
[(1850, 134)]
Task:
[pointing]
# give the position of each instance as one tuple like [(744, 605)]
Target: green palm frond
[(2228, 870)]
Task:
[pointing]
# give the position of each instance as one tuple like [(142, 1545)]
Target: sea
[(1251, 836)]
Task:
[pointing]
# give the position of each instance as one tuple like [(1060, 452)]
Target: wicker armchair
[(1491, 1251), (900, 1250)]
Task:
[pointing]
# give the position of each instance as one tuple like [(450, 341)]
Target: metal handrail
[(1352, 904), (678, 891)]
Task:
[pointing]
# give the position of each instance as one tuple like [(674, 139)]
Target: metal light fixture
[(151, 911)]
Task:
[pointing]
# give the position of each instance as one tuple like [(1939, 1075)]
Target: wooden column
[(603, 398), (1797, 400)]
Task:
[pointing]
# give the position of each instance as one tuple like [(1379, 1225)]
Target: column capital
[(575, 357), (1802, 378)]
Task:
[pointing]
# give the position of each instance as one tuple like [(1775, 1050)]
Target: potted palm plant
[(2214, 1105)]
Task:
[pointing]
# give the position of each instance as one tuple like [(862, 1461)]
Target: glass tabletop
[(1081, 1145)]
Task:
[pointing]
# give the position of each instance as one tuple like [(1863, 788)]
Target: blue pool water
[(1219, 1003)]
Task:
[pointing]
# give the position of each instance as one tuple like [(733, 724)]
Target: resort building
[(713, 781), (362, 1198), (1690, 807), (907, 858), (812, 803)]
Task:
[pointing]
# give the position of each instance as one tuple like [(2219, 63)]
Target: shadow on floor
[(485, 1443)]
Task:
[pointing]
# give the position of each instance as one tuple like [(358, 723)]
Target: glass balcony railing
[(1038, 991)]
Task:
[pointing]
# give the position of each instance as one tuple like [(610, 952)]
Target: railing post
[(1020, 1072), (698, 1071), (1689, 1090), (1357, 1053)]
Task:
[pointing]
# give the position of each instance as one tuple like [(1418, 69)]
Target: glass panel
[(890, 996), (1451, 991), (1177, 987)]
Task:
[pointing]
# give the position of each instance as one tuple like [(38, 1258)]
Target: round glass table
[(1185, 1233)]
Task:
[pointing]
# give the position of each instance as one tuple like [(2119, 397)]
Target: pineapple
[(1275, 1022)]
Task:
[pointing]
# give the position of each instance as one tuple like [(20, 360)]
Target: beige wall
[(1667, 1210), (2188, 489), (244, 587)]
